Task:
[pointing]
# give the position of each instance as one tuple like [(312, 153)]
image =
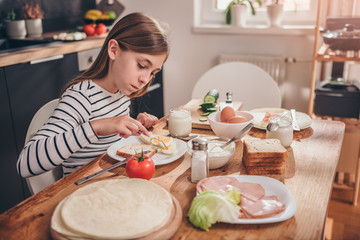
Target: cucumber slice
[(212, 96), (213, 109), (205, 114), (206, 106), (209, 99), (203, 119)]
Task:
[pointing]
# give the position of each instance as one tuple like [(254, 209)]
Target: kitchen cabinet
[(348, 170), (152, 102), (25, 87), (11, 186), (35, 83)]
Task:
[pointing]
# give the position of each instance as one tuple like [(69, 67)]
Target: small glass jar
[(199, 160), (180, 123), (284, 133)]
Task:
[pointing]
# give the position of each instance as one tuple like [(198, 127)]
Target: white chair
[(249, 84), (39, 182)]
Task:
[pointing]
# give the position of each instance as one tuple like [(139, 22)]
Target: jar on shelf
[(180, 124), (284, 133)]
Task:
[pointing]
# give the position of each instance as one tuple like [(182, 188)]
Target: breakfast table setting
[(301, 183)]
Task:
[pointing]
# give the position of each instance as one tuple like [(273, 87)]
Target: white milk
[(284, 133), (180, 123)]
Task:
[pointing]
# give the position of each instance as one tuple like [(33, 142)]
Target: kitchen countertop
[(27, 55)]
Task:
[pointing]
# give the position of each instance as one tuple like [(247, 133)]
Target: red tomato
[(140, 166), (100, 29), (89, 29)]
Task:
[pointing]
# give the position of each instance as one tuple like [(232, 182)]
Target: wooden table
[(314, 153)]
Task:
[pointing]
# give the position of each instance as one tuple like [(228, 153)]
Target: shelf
[(254, 29), (326, 54)]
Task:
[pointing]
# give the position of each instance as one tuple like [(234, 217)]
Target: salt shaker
[(199, 160)]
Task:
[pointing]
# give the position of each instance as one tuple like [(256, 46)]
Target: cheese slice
[(113, 209)]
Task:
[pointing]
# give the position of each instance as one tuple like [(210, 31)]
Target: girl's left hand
[(146, 119)]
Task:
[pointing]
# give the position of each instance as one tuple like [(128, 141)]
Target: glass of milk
[(284, 133), (180, 123)]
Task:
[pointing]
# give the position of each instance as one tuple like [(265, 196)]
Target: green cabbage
[(210, 207)]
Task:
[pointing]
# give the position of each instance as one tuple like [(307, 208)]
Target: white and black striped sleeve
[(67, 130)]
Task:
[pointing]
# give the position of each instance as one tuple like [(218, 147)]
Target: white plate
[(272, 187), (158, 158), (303, 119)]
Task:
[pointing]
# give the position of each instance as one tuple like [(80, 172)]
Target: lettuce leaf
[(211, 206)]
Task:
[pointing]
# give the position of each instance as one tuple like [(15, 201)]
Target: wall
[(193, 54)]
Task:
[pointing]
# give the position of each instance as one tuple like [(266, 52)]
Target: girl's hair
[(135, 32)]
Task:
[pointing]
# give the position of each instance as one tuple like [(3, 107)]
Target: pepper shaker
[(199, 160), (229, 97)]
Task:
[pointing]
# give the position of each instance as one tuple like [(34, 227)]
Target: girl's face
[(130, 71)]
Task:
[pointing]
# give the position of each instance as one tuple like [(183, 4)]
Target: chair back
[(250, 84), (39, 182)]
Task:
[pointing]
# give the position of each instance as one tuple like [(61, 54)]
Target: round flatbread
[(58, 225), (114, 209)]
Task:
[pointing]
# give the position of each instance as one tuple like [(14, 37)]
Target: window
[(296, 12), (289, 5)]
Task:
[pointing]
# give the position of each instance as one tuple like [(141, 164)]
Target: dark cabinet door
[(10, 182), (152, 102), (33, 84)]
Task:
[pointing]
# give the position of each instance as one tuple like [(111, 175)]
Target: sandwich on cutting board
[(155, 143)]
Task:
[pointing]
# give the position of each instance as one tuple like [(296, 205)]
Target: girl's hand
[(124, 125), (146, 119)]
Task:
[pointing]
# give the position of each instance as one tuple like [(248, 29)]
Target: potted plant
[(15, 28), (274, 12), (236, 11), (33, 16)]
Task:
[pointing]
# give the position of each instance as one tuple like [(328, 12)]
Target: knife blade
[(85, 179), (295, 124)]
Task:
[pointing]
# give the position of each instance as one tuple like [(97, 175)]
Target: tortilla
[(113, 209)]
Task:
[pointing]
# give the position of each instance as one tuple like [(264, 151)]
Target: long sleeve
[(67, 131), (67, 138)]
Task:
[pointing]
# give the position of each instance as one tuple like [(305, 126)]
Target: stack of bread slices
[(265, 157)]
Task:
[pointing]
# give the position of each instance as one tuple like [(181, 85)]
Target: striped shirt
[(67, 138)]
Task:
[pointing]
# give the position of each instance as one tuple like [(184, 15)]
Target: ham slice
[(265, 207), (252, 191)]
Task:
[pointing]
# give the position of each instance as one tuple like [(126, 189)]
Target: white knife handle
[(294, 123)]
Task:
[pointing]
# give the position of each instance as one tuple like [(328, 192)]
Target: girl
[(93, 111)]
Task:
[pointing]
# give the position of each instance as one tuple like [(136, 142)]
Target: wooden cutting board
[(166, 232), (194, 107)]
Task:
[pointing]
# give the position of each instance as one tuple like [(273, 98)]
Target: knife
[(294, 122), (85, 179)]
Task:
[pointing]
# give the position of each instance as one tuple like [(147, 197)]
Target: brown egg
[(237, 119), (227, 113)]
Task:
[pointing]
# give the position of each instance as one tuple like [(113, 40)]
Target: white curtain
[(344, 8)]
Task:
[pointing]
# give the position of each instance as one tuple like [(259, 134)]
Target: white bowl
[(217, 157), (229, 130)]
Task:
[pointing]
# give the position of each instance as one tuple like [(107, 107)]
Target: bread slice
[(264, 170), (264, 148), (136, 148), (262, 164)]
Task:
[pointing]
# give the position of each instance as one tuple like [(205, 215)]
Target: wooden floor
[(344, 219)]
